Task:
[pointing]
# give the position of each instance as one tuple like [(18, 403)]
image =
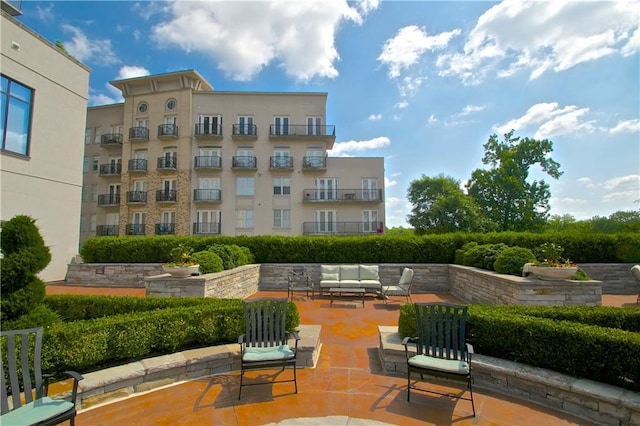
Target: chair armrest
[(469, 352), (241, 339), (72, 374), (408, 341), (296, 335)]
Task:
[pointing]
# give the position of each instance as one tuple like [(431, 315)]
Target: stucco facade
[(41, 176), (181, 158)]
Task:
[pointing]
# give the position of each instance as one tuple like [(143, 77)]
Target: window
[(87, 136), (245, 186), (97, 132), (281, 158), (244, 218), (370, 189), (207, 222), (95, 163), (92, 222), (209, 124), (245, 125), (281, 125), (94, 192), (142, 107), (314, 126), (85, 164), (16, 116), (281, 218), (326, 189), (171, 104), (369, 220), (326, 221), (281, 186), (314, 158)]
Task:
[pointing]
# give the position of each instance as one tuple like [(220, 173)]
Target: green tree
[(503, 192), (440, 205)]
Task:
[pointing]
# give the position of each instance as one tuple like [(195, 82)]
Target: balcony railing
[(281, 162), (12, 7), (167, 163), (246, 131), (345, 195), (204, 131), (135, 229), (167, 131), (137, 165), (138, 134), (107, 231), (342, 228), (314, 163), (111, 169), (111, 139), (137, 197), (302, 130), (109, 199), (165, 228), (163, 196), (244, 162), (208, 162), (206, 228), (207, 195)]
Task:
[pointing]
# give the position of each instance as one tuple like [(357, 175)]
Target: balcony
[(111, 140), (167, 131), (207, 195), (281, 163), (244, 131), (165, 229), (206, 228), (166, 196), (12, 7), (342, 195), (167, 163), (139, 134), (107, 231), (137, 165), (212, 162), (303, 131), (314, 163), (342, 228), (137, 197), (109, 200), (244, 162), (208, 131), (111, 169), (135, 229)]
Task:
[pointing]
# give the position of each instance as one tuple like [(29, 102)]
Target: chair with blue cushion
[(441, 347), (24, 388), (264, 344)]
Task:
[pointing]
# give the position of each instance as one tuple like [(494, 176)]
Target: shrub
[(512, 259), (209, 262), (224, 253)]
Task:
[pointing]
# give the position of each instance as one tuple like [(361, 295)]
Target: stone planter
[(182, 271), (549, 273)]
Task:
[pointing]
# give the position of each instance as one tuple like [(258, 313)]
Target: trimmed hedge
[(440, 248), (581, 341), (107, 330)]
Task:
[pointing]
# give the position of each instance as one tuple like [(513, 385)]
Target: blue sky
[(421, 83)]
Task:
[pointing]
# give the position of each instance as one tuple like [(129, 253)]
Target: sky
[(423, 84)]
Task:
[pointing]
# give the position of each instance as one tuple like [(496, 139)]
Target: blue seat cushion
[(452, 366), (273, 353), (36, 411)]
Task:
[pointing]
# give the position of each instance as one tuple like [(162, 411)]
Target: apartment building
[(43, 112), (180, 158)]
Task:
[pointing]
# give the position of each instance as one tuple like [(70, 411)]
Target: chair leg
[(240, 393), (409, 386), (473, 406), (295, 378)]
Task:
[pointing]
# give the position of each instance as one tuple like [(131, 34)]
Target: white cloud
[(550, 120), (375, 117), (297, 36), (85, 49), (389, 183), (567, 201), (629, 182), (628, 126), (45, 13), (132, 71), (468, 110), (343, 148), (408, 45), (102, 99), (432, 120), (401, 104), (541, 36)]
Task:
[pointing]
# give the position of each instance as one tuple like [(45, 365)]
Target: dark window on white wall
[(16, 116)]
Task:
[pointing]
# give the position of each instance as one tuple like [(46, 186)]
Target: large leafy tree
[(440, 205), (503, 191)]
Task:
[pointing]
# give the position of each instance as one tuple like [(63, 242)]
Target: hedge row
[(441, 248), (555, 338), (92, 344)]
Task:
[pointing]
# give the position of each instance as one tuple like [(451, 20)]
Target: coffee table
[(343, 291)]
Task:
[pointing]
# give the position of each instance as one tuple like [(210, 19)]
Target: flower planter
[(548, 272), (182, 271)]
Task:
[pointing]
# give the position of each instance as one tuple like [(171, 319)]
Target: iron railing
[(107, 231), (208, 195), (208, 130), (281, 162), (165, 228), (208, 162), (166, 196), (111, 139), (305, 130), (135, 229), (110, 169), (137, 197), (244, 162), (247, 130), (167, 163), (206, 228), (314, 163), (139, 133), (347, 195), (137, 165), (167, 130), (342, 228), (109, 199)]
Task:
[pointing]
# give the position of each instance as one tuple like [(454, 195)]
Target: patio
[(347, 386)]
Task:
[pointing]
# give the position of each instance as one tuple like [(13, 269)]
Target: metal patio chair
[(403, 288)]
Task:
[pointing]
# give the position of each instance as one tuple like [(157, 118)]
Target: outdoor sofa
[(350, 276)]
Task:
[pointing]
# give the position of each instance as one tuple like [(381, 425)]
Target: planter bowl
[(182, 271), (549, 273)]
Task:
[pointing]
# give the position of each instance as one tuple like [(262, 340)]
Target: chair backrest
[(441, 330), (297, 274), (406, 278), (635, 271), (265, 322), (20, 364)]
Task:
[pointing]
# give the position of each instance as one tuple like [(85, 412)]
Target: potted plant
[(549, 264), (181, 265)]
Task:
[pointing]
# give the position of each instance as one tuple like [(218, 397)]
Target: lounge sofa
[(350, 276)]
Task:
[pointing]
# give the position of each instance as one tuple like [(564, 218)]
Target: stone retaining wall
[(596, 402), (616, 277)]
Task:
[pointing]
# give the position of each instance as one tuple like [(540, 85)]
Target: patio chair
[(24, 388), (403, 288), (298, 280), (441, 349), (635, 271), (264, 344)]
